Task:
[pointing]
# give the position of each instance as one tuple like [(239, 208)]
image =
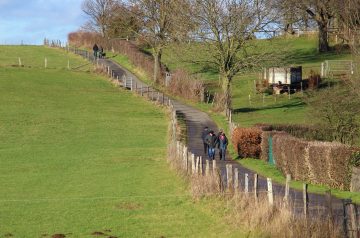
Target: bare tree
[(161, 22), (100, 14), (322, 12), (123, 22), (227, 28)]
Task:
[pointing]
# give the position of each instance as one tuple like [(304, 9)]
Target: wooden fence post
[(287, 188), (256, 187), (214, 166), (68, 65), (193, 163), (328, 200), (246, 183), (236, 180), (270, 191), (229, 176), (197, 165), (305, 199), (177, 148), (20, 62), (201, 170), (185, 158), (207, 168), (351, 222)]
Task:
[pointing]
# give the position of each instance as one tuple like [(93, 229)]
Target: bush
[(314, 80), (246, 142), (185, 85)]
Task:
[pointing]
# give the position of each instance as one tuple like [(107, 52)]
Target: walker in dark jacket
[(211, 140), (203, 136), (223, 142), (95, 49)]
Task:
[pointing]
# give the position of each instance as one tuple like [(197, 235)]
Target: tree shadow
[(285, 106)]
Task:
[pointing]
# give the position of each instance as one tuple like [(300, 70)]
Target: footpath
[(196, 120)]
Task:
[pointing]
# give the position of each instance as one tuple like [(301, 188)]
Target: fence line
[(228, 183)]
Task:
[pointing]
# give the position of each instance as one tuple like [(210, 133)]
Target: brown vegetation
[(182, 84), (324, 163), (246, 142)]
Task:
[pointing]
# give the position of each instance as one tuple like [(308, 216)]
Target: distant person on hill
[(211, 141), (222, 142), (203, 136), (95, 49), (101, 52)]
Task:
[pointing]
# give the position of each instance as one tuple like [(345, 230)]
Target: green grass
[(34, 57), (78, 156), (294, 51), (252, 108)]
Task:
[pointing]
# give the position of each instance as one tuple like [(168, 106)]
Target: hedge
[(324, 163)]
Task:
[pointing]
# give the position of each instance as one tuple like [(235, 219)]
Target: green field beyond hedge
[(82, 158)]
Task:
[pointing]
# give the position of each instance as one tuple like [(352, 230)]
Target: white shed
[(288, 75)]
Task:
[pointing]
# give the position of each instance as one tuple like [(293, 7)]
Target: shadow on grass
[(312, 56), (254, 109)]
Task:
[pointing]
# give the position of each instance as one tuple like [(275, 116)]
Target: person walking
[(101, 52), (211, 140), (223, 142), (95, 49), (203, 136), (218, 145)]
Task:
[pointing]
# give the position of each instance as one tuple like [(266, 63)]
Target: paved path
[(197, 120)]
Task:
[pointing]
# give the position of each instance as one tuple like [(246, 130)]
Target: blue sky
[(30, 21)]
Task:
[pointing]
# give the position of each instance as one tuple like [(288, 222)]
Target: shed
[(285, 75)]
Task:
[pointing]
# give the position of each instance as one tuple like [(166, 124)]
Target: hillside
[(260, 108), (82, 158)]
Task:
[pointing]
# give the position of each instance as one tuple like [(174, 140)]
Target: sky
[(30, 21)]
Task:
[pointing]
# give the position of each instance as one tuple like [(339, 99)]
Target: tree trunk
[(323, 37), (226, 88), (157, 66)]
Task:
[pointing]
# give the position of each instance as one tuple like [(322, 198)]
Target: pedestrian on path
[(101, 52), (211, 140), (203, 136), (218, 145), (95, 49), (222, 142)]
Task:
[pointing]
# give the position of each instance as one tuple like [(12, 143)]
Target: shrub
[(314, 80), (246, 142), (185, 85)]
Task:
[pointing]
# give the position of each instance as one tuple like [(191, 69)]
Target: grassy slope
[(284, 110), (300, 51), (78, 156)]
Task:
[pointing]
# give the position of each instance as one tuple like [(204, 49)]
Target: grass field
[(82, 158), (260, 108)]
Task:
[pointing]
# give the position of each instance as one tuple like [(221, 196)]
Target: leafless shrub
[(185, 85), (278, 220), (202, 186)]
